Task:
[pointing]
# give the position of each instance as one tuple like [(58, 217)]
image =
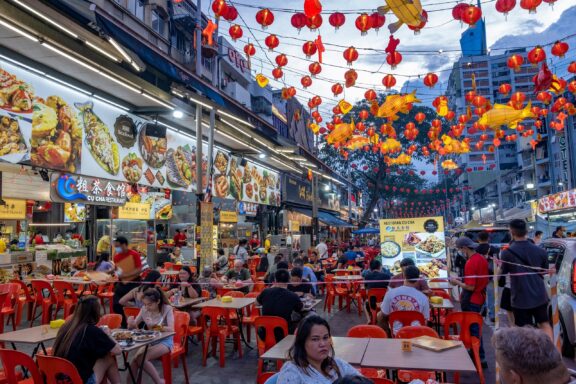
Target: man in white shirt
[(240, 251), (404, 298), (322, 249)]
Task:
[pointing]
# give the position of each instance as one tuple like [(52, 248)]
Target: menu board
[(557, 201), (46, 124), (421, 239)]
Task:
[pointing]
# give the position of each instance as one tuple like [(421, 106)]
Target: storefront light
[(157, 101), (236, 128), (45, 18), (21, 64), (111, 102), (220, 112), (125, 55), (233, 138), (326, 187), (103, 52), (67, 84), (207, 106), (530, 186), (262, 155), (177, 114), (18, 30)]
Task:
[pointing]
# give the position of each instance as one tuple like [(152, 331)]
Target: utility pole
[(315, 224), (199, 38)]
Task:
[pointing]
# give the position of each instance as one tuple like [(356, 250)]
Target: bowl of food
[(390, 249), (122, 335), (432, 247)]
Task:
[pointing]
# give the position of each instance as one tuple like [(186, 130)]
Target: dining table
[(436, 311), (36, 336)]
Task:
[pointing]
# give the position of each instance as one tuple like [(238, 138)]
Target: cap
[(268, 236), (466, 242)]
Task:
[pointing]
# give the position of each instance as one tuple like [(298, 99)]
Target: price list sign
[(206, 233)]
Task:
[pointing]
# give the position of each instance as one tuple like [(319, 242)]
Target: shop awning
[(326, 218)]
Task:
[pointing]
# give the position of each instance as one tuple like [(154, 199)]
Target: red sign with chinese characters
[(69, 188)]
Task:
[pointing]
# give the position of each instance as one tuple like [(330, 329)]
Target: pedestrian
[(322, 249), (527, 356), (240, 251), (254, 242), (473, 285), (559, 232), (128, 268), (491, 253), (404, 298), (538, 237), (526, 263), (221, 264)]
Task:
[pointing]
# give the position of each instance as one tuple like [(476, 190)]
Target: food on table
[(149, 176), (56, 140), (389, 249), (11, 139), (15, 94), (221, 186), (153, 149), (132, 167), (99, 139), (160, 177), (431, 245), (249, 191), (179, 166), (221, 162), (122, 335)]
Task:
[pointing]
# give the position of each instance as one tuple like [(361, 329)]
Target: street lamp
[(530, 186)]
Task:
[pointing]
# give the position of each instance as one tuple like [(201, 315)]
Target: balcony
[(544, 182), (527, 163), (519, 184)]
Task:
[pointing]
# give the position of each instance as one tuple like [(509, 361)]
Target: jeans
[(475, 329), (489, 304)]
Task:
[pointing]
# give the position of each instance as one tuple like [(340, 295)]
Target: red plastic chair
[(217, 333), (198, 331), (461, 322), (168, 266), (379, 380), (339, 290), (263, 377), (413, 331), (111, 320), (375, 295), (235, 294), (46, 303), (65, 296), (12, 306), (367, 331), (25, 296), (53, 367), (205, 294), (252, 312), (441, 292), (406, 318), (181, 320), (258, 287), (106, 292), (269, 324), (13, 359), (131, 311)]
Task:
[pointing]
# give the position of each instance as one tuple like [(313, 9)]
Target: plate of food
[(179, 166), (153, 149), (11, 139), (390, 249), (132, 167), (122, 335), (15, 95), (432, 247), (143, 335), (221, 162), (221, 186)]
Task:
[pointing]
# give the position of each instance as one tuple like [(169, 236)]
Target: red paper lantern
[(420, 117), (350, 76), (505, 6), (515, 62), (389, 81), (559, 48), (306, 81), (370, 95), (504, 89), (360, 126), (572, 67), (298, 21), (219, 7), (309, 48), (314, 22), (277, 73), (315, 68), (337, 20), (422, 24), (457, 11), (363, 114), (378, 21), (430, 80), (450, 115), (337, 89), (312, 7), (281, 60), (317, 100), (264, 17), (471, 15), (272, 42), (231, 14), (363, 23), (536, 55), (544, 97), (393, 59), (249, 49), (350, 55), (235, 32), (530, 5), (572, 86)]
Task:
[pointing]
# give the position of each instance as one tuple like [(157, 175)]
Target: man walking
[(527, 263), (490, 253)]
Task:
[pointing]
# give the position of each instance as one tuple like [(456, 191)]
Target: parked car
[(499, 236), (562, 254)]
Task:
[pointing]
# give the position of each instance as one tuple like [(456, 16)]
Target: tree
[(368, 169)]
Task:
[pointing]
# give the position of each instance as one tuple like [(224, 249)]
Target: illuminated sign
[(228, 217), (68, 188)]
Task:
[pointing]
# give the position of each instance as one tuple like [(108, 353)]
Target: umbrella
[(366, 231)]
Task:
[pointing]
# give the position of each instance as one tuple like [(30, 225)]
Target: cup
[(406, 346)]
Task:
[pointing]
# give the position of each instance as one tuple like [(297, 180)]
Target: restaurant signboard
[(557, 201), (13, 209), (134, 211), (300, 192), (69, 188), (228, 217)]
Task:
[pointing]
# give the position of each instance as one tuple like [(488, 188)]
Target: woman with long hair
[(87, 346), (311, 357), (103, 264), (186, 284), (157, 314)]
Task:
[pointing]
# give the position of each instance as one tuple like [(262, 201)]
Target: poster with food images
[(420, 238), (49, 125)]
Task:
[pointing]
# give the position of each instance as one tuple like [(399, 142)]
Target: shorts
[(531, 316), (506, 300), (167, 342)]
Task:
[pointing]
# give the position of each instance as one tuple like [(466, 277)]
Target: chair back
[(13, 290), (413, 331), (53, 367), (377, 293), (463, 321), (252, 311), (111, 320), (258, 286), (23, 289), (205, 294), (181, 322), (168, 266), (235, 294), (211, 317), (367, 331), (64, 290), (39, 286), (268, 324), (406, 318), (12, 359), (440, 292), (267, 378), (131, 311)]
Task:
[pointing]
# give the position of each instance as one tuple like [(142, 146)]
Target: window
[(136, 8), (158, 23), (555, 255)]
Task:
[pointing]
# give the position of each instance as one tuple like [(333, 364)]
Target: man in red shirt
[(180, 239), (128, 267), (474, 284)]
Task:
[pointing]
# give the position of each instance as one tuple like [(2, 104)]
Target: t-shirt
[(398, 281), (89, 346), (322, 249), (292, 374), (244, 274), (280, 302), (351, 255), (180, 239), (377, 275), (103, 244), (122, 262), (405, 298), (241, 253), (303, 288), (528, 291), (477, 266)]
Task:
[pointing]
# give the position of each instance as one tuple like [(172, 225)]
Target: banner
[(228, 217), (52, 126), (134, 211), (13, 209), (421, 239), (300, 192), (68, 188), (557, 201)]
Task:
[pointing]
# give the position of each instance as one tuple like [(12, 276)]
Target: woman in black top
[(188, 288), (87, 346)]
